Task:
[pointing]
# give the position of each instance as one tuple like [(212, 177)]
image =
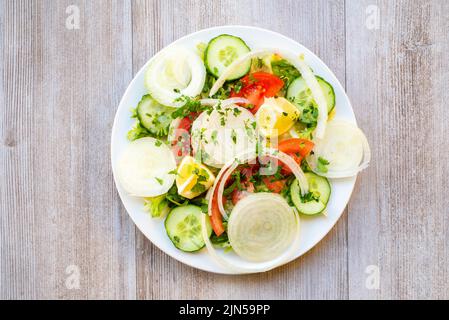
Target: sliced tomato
[(274, 186), (258, 85), (296, 145), (296, 148), (181, 143), (248, 171), (216, 220), (238, 195)]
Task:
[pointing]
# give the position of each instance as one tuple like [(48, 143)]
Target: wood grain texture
[(397, 79), (59, 90)]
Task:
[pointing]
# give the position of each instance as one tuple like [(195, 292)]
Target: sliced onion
[(251, 267), (245, 157), (345, 147), (221, 186), (175, 72), (232, 101), (317, 94), (209, 102), (230, 69), (222, 142), (261, 227), (294, 167), (229, 168), (224, 103), (142, 174)]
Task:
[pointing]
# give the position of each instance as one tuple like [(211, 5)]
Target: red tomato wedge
[(181, 142), (296, 145), (258, 85), (216, 220), (274, 186), (293, 147)]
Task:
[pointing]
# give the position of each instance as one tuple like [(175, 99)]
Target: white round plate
[(313, 229)]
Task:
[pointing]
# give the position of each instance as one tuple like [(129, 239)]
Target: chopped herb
[(175, 198), (174, 171), (214, 137), (138, 131), (309, 114), (284, 114), (205, 156), (234, 136), (198, 188), (200, 202), (159, 180), (189, 106), (230, 189), (284, 70), (236, 176), (310, 196), (259, 63), (248, 128), (278, 175), (322, 165), (238, 86), (158, 143), (237, 111), (176, 90)]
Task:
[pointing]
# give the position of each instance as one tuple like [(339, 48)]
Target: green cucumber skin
[(332, 92), (320, 80), (140, 111), (211, 42), (174, 211), (156, 109), (295, 194), (324, 183), (295, 191)]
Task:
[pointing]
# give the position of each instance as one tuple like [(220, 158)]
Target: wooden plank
[(60, 89), (319, 25), (397, 78)]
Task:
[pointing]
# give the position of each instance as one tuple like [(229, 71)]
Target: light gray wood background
[(59, 90)]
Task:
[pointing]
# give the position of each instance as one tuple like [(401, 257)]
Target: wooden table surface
[(64, 233)]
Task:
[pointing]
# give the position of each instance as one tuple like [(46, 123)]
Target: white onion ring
[(224, 103), (223, 181), (317, 94), (261, 227), (240, 158), (231, 166), (165, 94), (256, 267), (366, 157), (227, 72)]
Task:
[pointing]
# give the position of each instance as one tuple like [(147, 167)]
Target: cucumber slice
[(301, 96), (183, 226), (222, 51), (153, 116), (319, 186)]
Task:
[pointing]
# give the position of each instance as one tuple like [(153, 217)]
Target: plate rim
[(142, 69)]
